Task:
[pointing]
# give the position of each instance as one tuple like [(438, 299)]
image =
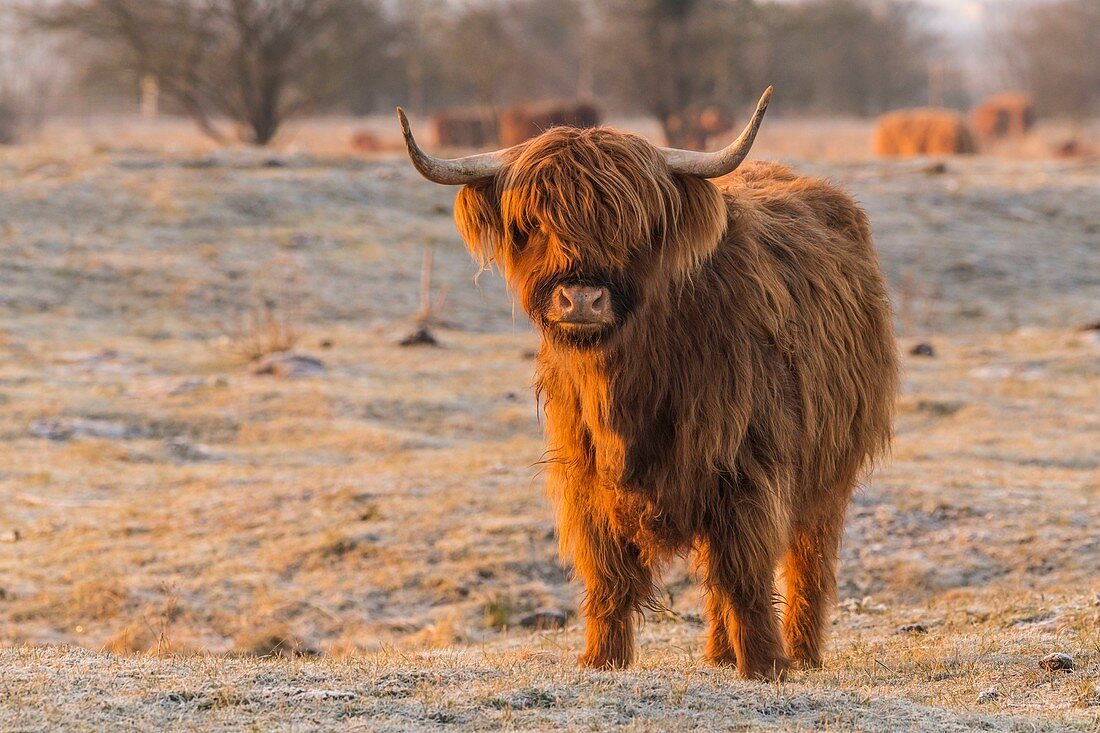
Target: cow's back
[(826, 312)]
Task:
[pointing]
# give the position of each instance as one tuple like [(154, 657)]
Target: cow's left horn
[(452, 172), (713, 165)]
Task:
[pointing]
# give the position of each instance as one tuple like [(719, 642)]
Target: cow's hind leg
[(810, 571), (738, 560), (719, 650)]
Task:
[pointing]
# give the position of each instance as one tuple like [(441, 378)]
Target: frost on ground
[(354, 535), (444, 690)]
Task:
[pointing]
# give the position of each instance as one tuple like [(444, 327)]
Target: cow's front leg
[(617, 583), (738, 557)]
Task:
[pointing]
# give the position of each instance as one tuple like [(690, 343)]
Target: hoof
[(774, 672), (728, 659), (602, 661)]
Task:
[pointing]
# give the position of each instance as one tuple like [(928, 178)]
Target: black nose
[(582, 304)]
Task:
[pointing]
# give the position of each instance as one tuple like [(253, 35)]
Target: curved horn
[(713, 165), (453, 172)]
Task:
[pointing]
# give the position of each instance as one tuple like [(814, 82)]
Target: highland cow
[(694, 128), (465, 128), (923, 132), (717, 369), (1003, 116), (524, 122)]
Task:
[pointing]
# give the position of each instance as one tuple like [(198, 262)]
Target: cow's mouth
[(582, 328), (580, 335)]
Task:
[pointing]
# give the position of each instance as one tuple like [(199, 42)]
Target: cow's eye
[(519, 235)]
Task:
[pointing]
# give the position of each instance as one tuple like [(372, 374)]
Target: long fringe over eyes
[(602, 196)]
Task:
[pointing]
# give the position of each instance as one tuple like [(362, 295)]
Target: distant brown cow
[(524, 122), (693, 127), (465, 128), (366, 142), (1002, 116), (717, 369), (923, 132)]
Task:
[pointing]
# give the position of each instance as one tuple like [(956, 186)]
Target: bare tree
[(848, 56), (1050, 49), (668, 56), (257, 62)]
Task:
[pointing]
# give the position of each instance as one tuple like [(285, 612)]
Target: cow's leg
[(719, 651), (738, 559), (616, 585), (810, 571)]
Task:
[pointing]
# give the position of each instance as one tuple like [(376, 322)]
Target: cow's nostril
[(582, 304)]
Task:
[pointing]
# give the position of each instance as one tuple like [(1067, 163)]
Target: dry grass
[(261, 331), (535, 688), (202, 531)]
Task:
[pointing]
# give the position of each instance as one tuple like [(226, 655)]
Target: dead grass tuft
[(261, 331), (272, 640)]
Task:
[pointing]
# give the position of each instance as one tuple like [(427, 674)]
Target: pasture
[(190, 543)]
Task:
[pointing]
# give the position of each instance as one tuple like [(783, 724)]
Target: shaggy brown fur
[(923, 132), (525, 121), (1002, 116), (748, 380)]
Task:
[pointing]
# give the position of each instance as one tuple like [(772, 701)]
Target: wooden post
[(150, 97), (425, 313)]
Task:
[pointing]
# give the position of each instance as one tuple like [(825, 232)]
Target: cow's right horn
[(453, 172)]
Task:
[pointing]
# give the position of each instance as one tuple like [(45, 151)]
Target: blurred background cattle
[(480, 71), (923, 132), (523, 122), (693, 128), (1002, 116), (464, 128)]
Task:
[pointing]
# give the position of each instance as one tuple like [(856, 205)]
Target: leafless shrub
[(262, 330), (164, 621), (269, 317)]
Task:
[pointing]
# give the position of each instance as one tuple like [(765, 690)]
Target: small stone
[(187, 385), (288, 365), (990, 695), (544, 619), (915, 629), (56, 430), (923, 349), (692, 618), (12, 535), (184, 450), (1057, 662)]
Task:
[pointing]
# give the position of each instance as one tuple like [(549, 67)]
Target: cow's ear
[(697, 225), (477, 215)]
